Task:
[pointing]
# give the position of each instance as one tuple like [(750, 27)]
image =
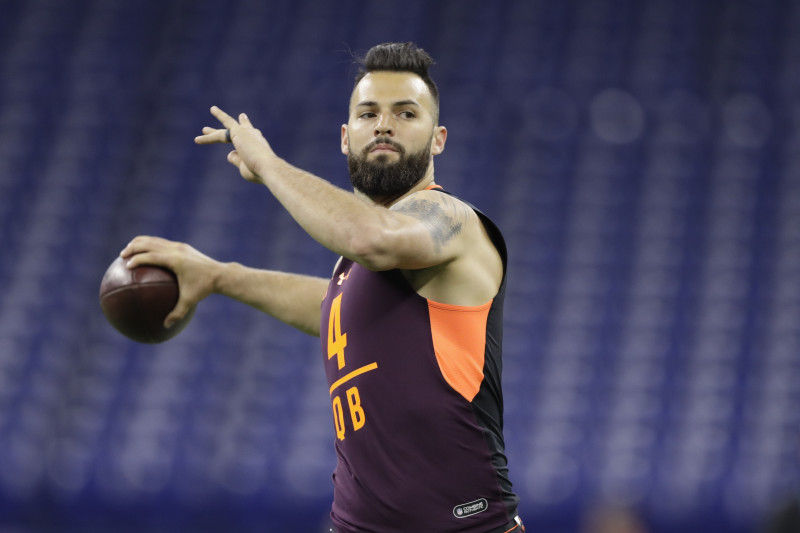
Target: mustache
[(383, 140)]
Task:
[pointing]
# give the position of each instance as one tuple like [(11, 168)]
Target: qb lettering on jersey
[(337, 342)]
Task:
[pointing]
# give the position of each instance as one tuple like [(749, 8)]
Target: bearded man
[(411, 320)]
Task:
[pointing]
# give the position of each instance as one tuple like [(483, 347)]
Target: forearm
[(332, 216), (291, 298)]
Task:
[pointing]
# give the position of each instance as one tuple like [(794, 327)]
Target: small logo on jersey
[(469, 509), (343, 277)]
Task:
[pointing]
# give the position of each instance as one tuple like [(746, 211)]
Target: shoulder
[(445, 216), (474, 269), (436, 207)]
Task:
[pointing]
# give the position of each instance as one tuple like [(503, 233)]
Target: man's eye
[(367, 114), (407, 114)]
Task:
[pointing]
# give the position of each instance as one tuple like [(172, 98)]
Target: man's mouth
[(383, 147)]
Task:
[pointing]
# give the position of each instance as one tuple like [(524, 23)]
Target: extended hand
[(196, 272), (249, 144)]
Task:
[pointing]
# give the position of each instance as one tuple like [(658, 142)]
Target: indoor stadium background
[(641, 156)]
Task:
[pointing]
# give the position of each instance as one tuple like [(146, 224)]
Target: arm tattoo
[(443, 223)]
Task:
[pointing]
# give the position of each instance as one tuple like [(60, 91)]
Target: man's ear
[(439, 139), (345, 140)]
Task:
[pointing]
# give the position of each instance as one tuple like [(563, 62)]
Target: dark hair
[(400, 57)]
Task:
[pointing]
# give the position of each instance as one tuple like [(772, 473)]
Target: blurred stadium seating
[(642, 158)]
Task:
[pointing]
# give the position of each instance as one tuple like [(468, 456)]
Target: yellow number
[(356, 411), (336, 339)]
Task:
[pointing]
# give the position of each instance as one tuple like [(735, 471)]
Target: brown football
[(136, 301)]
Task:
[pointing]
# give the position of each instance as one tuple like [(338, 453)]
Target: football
[(136, 301)]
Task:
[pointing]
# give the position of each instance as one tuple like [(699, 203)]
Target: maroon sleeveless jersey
[(417, 406)]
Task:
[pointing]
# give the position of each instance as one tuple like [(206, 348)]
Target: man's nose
[(385, 125)]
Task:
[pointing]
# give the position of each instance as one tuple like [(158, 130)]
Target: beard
[(381, 178)]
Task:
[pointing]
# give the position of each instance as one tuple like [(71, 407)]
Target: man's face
[(391, 133)]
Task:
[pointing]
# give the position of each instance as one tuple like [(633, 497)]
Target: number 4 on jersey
[(337, 341)]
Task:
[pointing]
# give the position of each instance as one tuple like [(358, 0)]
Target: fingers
[(235, 159), (217, 135), (222, 135), (180, 311), (149, 258), (143, 243), (147, 250), (212, 136), (224, 118)]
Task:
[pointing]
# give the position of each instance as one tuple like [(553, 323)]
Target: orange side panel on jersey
[(459, 340)]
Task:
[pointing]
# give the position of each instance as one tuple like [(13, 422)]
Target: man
[(410, 321)]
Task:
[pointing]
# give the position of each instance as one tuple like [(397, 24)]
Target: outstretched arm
[(294, 299), (291, 298), (420, 233)]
